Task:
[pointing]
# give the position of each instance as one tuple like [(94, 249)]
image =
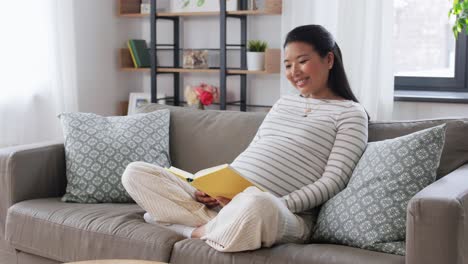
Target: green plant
[(460, 11), (257, 46)]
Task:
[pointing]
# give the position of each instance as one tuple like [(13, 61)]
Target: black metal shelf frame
[(223, 74)]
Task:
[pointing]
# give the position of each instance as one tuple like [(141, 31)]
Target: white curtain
[(363, 29), (37, 70)]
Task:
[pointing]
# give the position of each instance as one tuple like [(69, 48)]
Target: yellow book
[(132, 54), (222, 180)]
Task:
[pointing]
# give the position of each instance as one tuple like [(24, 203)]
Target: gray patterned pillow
[(370, 212), (97, 150)]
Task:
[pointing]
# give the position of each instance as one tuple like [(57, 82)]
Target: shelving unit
[(126, 64), (130, 9)]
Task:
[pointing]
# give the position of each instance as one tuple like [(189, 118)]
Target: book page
[(184, 175), (209, 170)]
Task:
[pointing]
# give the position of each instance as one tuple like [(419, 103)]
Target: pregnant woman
[(303, 154)]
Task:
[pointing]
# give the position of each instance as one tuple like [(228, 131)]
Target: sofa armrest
[(30, 172), (437, 221)]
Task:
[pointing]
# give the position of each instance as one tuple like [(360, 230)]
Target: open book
[(222, 180)]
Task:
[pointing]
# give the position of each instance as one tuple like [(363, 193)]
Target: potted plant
[(460, 11), (256, 55)]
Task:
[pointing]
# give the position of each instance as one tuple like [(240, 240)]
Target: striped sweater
[(305, 150)]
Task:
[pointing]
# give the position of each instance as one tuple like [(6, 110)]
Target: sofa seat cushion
[(70, 231), (197, 251)]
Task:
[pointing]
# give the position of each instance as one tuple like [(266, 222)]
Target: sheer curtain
[(37, 70), (364, 31)]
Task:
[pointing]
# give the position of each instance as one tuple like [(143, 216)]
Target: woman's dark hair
[(322, 42)]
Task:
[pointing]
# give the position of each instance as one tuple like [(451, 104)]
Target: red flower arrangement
[(203, 94)]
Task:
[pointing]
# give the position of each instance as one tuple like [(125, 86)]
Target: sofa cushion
[(97, 150), (197, 251), (370, 212), (455, 152), (203, 139), (70, 231), (26, 258)]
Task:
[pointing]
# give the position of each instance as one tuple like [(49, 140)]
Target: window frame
[(458, 83)]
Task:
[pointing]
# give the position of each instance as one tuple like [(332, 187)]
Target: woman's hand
[(223, 201), (205, 199)]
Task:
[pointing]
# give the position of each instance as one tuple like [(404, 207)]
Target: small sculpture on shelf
[(195, 59), (201, 95)]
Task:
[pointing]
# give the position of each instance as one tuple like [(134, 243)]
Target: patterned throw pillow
[(370, 212), (97, 150)]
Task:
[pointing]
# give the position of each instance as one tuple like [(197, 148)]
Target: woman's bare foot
[(198, 232)]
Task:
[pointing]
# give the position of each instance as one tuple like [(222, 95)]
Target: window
[(426, 55)]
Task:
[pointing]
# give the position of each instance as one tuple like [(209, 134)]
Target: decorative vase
[(255, 61), (200, 106)]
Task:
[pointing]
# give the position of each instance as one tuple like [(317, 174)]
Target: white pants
[(253, 218)]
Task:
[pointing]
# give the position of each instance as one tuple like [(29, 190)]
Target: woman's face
[(307, 71)]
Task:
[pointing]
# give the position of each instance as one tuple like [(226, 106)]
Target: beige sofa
[(35, 227)]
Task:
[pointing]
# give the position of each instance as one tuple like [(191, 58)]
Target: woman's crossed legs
[(253, 219)]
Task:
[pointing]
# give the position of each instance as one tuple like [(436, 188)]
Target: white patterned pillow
[(97, 150), (370, 212)]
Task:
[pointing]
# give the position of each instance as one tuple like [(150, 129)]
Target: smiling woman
[(37, 77), (314, 64), (301, 156), (361, 28)]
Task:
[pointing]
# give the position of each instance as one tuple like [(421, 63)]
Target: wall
[(99, 35), (101, 86)]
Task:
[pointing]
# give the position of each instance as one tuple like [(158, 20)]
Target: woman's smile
[(301, 82)]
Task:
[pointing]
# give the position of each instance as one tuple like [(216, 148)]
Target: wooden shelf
[(196, 14), (134, 15), (131, 9), (130, 69), (255, 12), (248, 72), (182, 70), (215, 13), (126, 64), (187, 14)]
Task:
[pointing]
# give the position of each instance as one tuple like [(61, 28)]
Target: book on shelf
[(139, 53), (222, 180)]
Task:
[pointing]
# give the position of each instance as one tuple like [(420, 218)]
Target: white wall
[(101, 85), (99, 35)]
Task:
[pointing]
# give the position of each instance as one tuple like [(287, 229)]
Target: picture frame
[(195, 59), (137, 100), (201, 5)]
